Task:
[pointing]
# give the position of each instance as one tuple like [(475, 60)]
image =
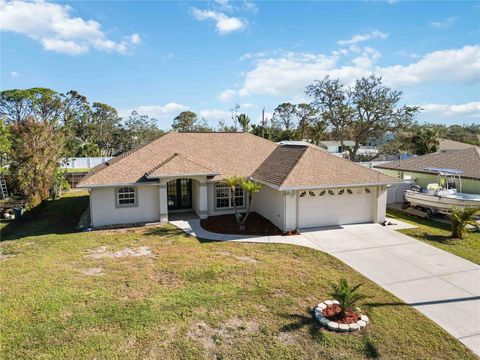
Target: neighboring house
[(304, 186), (467, 160), (451, 145), (83, 162), (335, 147), (381, 139)]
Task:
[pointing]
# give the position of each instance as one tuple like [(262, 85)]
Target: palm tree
[(250, 187), (461, 218), (232, 182), (346, 295), (244, 121)]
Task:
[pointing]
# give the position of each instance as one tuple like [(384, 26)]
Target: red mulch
[(333, 313), (256, 224)]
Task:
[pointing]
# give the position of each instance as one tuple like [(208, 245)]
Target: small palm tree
[(250, 187), (232, 182), (461, 218), (346, 295), (244, 121)]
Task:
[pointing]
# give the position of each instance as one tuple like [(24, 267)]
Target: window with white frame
[(126, 196), (223, 198)]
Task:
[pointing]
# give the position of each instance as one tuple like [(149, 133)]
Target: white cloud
[(158, 112), (364, 37), (250, 6), (57, 30), (214, 115), (443, 24), (14, 73), (224, 24), (290, 73), (466, 112), (248, 106), (227, 5), (227, 95), (443, 66), (135, 39)]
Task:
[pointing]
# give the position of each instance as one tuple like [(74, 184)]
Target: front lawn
[(156, 293), (438, 234)]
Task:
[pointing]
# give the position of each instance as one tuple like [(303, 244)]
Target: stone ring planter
[(334, 326)]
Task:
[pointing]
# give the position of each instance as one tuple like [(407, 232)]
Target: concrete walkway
[(442, 286)]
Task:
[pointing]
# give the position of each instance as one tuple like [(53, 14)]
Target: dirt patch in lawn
[(227, 334), (96, 271), (102, 252), (256, 224)]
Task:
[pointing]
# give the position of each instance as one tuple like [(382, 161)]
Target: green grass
[(188, 300), (70, 170), (438, 234)]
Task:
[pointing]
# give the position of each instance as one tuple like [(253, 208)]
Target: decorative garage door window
[(303, 193), (223, 198), (367, 190), (126, 196), (341, 192)]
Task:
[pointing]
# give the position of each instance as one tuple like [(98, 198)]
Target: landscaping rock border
[(334, 326)]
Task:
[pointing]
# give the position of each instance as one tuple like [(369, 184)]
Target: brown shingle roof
[(228, 154), (276, 167), (225, 153), (317, 168), (449, 145), (467, 160), (178, 165)]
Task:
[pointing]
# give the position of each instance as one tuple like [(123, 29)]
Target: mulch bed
[(256, 224), (333, 313)]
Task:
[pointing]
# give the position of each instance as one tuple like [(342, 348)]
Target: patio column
[(163, 203), (203, 200)]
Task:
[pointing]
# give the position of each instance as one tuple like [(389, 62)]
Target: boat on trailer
[(442, 196)]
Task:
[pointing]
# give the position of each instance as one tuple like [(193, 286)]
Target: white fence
[(84, 162), (395, 192)]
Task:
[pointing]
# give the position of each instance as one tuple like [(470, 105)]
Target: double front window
[(223, 196), (126, 196)]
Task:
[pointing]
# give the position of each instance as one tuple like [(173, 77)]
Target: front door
[(179, 194)]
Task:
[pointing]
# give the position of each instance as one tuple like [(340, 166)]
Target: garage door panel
[(353, 207)]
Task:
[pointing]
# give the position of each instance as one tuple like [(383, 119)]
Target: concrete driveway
[(444, 287)]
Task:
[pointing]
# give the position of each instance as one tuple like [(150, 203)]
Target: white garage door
[(335, 207)]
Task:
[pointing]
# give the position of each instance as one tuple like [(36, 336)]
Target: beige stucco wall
[(105, 212), (468, 185), (270, 204)]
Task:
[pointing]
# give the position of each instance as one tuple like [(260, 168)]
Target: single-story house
[(336, 147), (304, 186), (467, 161)]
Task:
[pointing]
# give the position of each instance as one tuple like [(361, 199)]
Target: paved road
[(442, 286)]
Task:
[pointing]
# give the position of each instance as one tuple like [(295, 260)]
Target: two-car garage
[(327, 207)]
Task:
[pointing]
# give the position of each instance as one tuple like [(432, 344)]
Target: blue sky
[(164, 57)]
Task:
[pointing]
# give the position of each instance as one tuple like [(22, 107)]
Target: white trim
[(118, 184), (317, 187), (181, 174)]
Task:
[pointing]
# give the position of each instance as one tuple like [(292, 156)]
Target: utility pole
[(263, 123)]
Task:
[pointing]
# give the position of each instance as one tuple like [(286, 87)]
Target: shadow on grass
[(52, 217), (443, 239), (370, 349), (301, 321), (164, 231)]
